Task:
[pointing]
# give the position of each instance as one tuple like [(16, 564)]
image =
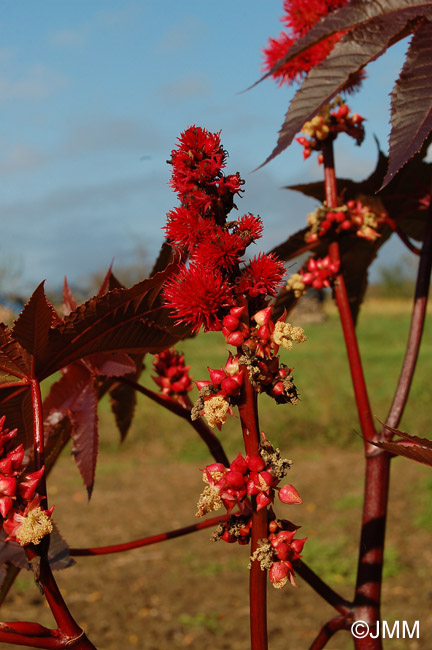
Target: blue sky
[(94, 93)]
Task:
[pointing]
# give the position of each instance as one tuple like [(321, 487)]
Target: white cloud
[(183, 37), (103, 133), (186, 88), (70, 37), (19, 158), (38, 83)]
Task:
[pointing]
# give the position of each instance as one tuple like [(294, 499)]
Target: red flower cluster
[(23, 518), (261, 343), (216, 279), (318, 274), (299, 17), (173, 375), (331, 120), (354, 216), (202, 188), (254, 476), (286, 550)]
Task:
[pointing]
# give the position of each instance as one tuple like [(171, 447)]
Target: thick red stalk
[(146, 541), (69, 631), (65, 621), (342, 301), (416, 328), (367, 599), (258, 578)]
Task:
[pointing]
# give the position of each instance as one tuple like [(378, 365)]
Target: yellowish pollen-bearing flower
[(296, 284), (209, 500), (285, 334), (34, 527), (215, 410)]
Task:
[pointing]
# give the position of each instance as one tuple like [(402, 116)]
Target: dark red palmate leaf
[(413, 447), (323, 82), (405, 200), (349, 17), (372, 28), (123, 396), (15, 361), (412, 102), (76, 396), (128, 320), (69, 302), (33, 326)]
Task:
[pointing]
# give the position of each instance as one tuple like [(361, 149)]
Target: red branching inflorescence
[(216, 278), (217, 290), (299, 17)]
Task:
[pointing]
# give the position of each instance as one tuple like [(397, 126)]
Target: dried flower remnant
[(216, 410), (286, 334)]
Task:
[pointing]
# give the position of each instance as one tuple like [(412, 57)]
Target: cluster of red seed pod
[(259, 345), (331, 120), (255, 476), (350, 217), (285, 551), (23, 518), (318, 274), (172, 374)]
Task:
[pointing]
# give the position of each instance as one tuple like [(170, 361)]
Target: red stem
[(342, 301), (212, 442), (321, 588), (146, 541), (367, 599), (69, 630), (327, 631), (258, 578), (38, 437), (402, 236), (416, 329)]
